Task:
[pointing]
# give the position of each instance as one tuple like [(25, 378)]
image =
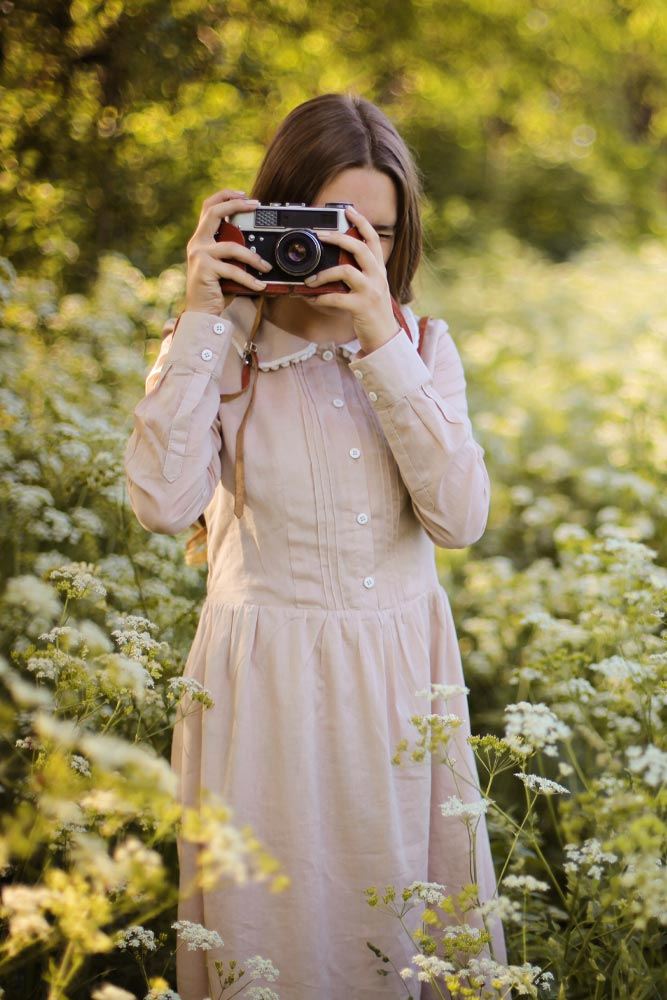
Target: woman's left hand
[(369, 298)]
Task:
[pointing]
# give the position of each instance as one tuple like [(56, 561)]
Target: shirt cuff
[(200, 342), (391, 371)]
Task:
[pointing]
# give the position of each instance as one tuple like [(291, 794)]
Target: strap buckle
[(248, 348)]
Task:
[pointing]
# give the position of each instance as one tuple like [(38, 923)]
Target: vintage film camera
[(283, 234)]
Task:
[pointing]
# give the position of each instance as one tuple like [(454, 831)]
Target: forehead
[(370, 190)]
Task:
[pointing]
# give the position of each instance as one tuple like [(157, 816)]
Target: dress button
[(369, 582), (338, 402), (355, 453), (327, 355), (206, 354), (372, 396), (219, 328), (362, 518), (358, 373)]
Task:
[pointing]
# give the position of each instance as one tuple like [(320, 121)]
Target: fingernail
[(310, 279)]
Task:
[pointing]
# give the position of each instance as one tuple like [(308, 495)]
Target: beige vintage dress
[(323, 618)]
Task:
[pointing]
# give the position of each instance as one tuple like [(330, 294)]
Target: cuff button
[(219, 328), (206, 354), (372, 396)]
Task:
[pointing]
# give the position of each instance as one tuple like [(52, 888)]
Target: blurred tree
[(118, 117)]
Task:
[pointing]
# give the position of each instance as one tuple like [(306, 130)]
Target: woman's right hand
[(208, 261)]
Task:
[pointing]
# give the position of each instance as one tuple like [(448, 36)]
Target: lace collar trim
[(278, 348)]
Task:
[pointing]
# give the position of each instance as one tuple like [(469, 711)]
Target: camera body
[(283, 234)]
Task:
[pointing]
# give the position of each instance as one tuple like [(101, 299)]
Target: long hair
[(314, 143)]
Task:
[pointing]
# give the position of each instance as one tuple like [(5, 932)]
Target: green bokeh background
[(117, 118)]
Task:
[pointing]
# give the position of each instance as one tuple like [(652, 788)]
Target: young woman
[(325, 484)]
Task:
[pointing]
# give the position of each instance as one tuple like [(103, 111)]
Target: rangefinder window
[(287, 218)]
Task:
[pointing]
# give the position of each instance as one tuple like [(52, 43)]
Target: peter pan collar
[(277, 348)]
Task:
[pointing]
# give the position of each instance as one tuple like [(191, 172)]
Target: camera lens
[(298, 252)]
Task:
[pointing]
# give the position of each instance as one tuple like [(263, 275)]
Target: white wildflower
[(25, 905), (455, 806), (113, 752), (136, 936), (78, 580), (196, 936), (178, 686), (431, 966), (618, 670), (87, 520), (37, 597), (94, 637), (568, 530), (135, 642), (650, 762), (127, 673), (587, 858), (460, 931), (526, 883), (29, 500), (519, 977), (107, 991), (42, 667), (429, 892), (80, 764), (28, 743), (538, 784), (442, 691), (259, 967), (54, 526), (532, 727), (106, 800), (504, 907)]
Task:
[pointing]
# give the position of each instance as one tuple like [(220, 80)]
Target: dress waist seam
[(219, 600)]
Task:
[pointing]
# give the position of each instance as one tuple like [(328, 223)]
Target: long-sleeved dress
[(323, 624)]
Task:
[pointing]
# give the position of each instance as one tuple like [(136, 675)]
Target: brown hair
[(334, 132), (315, 142)]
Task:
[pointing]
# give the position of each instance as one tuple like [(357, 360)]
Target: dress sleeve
[(172, 459), (424, 416)]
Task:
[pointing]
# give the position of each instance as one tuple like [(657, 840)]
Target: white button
[(338, 402), (327, 355), (362, 518), (358, 373), (206, 354), (219, 328), (372, 396), (355, 453), (369, 582)]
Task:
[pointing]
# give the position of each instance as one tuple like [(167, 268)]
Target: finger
[(210, 220), (228, 248), (351, 275), (223, 195), (369, 233), (341, 300), (359, 250), (234, 273)]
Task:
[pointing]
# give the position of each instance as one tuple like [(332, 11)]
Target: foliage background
[(540, 130), (118, 117)]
